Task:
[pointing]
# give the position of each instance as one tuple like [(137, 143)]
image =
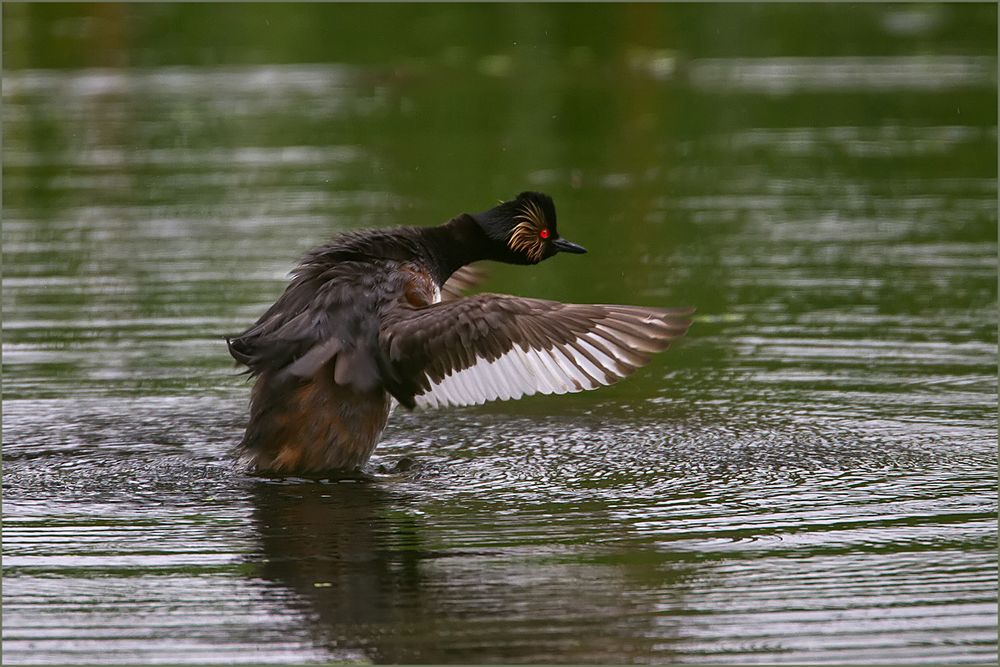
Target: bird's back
[(332, 306), (314, 352)]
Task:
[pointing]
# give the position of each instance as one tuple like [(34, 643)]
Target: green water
[(810, 476)]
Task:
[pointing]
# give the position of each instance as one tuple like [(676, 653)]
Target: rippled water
[(809, 477)]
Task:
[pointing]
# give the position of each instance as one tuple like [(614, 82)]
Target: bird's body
[(363, 324)]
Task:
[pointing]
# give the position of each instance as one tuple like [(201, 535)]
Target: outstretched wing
[(461, 281), (490, 346)]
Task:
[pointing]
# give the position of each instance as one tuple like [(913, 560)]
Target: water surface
[(810, 476)]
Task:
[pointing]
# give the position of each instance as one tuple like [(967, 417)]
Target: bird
[(376, 318)]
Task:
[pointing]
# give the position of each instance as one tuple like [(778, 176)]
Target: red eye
[(544, 233)]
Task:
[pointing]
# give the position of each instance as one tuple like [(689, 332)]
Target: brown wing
[(464, 279), (491, 346)]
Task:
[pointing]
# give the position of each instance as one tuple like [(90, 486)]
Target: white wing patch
[(589, 362)]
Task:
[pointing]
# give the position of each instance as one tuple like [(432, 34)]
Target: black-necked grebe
[(363, 322)]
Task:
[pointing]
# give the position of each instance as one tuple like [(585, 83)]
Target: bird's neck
[(454, 244)]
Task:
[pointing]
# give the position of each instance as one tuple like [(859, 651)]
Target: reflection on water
[(809, 477), (351, 554), (359, 558), (783, 76), (612, 540)]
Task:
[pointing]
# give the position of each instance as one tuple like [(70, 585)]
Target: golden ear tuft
[(526, 234)]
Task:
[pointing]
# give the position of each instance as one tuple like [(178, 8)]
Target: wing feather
[(461, 281), (487, 347)]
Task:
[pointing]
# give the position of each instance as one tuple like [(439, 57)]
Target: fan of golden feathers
[(527, 234)]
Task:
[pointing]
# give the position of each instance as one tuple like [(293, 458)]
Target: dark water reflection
[(809, 477), (618, 542)]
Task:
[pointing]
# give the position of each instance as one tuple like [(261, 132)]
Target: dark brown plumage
[(363, 322)]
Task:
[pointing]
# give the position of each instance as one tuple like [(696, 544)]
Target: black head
[(526, 228)]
